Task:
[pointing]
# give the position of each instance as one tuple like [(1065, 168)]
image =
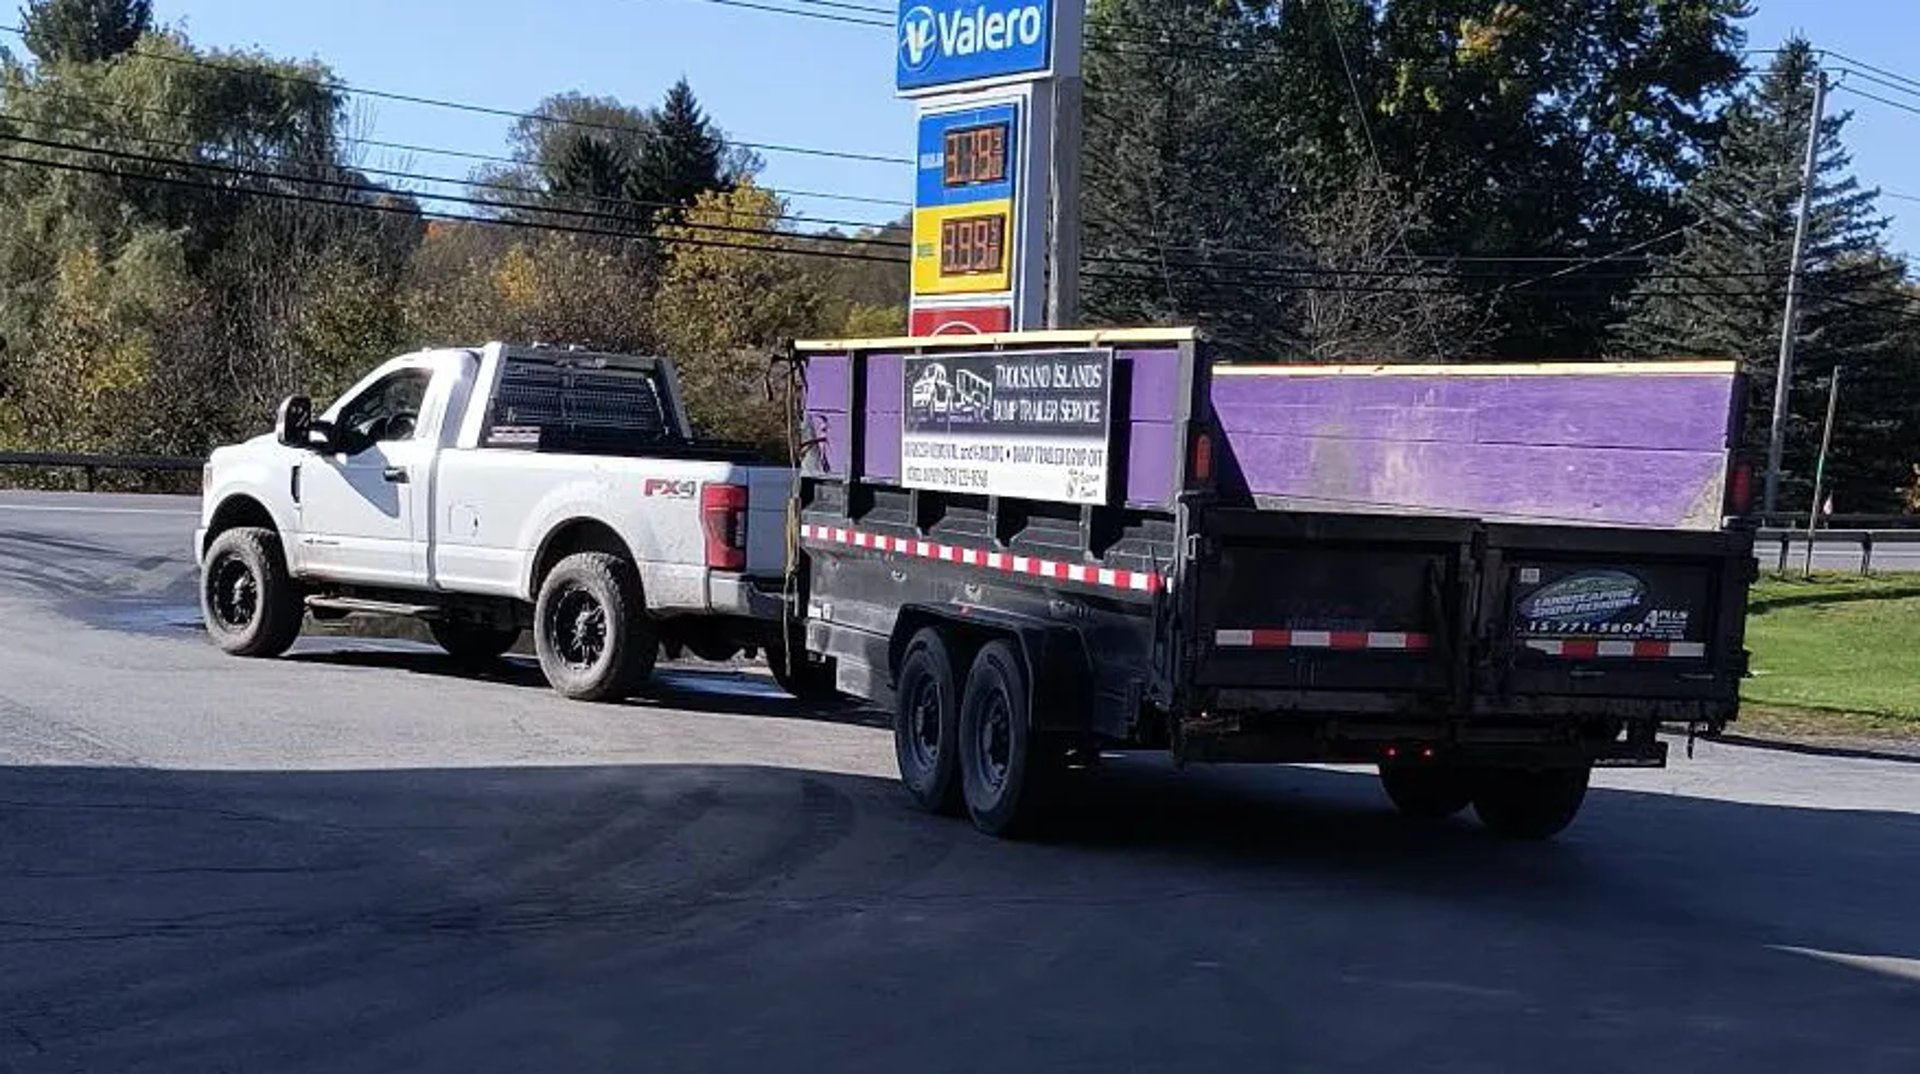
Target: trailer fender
[(1058, 671)]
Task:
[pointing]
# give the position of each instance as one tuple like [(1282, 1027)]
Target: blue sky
[(779, 79)]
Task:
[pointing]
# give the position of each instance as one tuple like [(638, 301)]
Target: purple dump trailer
[(1485, 580)]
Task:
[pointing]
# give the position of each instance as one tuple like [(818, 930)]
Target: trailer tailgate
[(1573, 617), (1363, 605)]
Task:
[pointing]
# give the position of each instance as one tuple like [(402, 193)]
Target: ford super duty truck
[(493, 490)]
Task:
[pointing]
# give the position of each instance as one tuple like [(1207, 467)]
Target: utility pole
[(1789, 321), (1820, 467)]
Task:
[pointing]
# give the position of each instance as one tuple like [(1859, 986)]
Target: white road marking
[(52, 509), (1892, 966)]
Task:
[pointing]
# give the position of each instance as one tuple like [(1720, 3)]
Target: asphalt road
[(357, 859)]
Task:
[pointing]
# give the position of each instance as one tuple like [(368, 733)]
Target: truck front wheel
[(591, 630), (1003, 768), (1527, 804), (249, 602), (1427, 792), (926, 724)]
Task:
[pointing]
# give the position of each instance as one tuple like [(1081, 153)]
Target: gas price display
[(976, 155), (973, 245)]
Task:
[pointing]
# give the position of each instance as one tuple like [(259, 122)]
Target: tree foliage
[(84, 31), (1516, 130), (1723, 291)]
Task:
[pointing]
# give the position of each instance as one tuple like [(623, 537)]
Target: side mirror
[(293, 425)]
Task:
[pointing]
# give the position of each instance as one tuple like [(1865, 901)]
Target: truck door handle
[(395, 474)]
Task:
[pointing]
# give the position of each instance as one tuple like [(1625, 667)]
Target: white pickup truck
[(493, 490)]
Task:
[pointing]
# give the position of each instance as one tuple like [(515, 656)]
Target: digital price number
[(976, 155), (973, 245)]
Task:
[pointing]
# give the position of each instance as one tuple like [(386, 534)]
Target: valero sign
[(948, 43)]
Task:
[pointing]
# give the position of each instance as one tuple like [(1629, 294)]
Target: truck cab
[(451, 485)]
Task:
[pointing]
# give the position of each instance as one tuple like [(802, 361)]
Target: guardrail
[(1793, 521), (1864, 539), (91, 465)]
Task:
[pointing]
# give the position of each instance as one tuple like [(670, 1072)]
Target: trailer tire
[(473, 643), (1427, 792), (1003, 765), (591, 630), (926, 724), (1531, 804), (250, 603)]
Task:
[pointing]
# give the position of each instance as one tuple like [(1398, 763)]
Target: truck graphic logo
[(1584, 598), (961, 394)]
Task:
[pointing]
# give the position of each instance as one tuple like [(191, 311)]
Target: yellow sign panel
[(963, 249)]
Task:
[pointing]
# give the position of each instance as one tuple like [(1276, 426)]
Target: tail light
[(723, 517), (1200, 460), (1740, 489)]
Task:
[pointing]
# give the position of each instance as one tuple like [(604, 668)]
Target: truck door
[(358, 511)]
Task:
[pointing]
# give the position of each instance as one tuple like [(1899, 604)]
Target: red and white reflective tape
[(1592, 648), (1320, 639), (1136, 581)]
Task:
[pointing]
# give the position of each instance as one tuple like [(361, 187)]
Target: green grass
[(1835, 653)]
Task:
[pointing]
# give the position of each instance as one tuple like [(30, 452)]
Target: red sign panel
[(961, 320)]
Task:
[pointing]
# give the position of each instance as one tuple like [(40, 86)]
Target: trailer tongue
[(1486, 580)]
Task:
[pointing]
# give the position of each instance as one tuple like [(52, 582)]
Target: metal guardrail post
[(1866, 553)]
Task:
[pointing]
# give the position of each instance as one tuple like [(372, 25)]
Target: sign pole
[(1063, 224), (1820, 468)]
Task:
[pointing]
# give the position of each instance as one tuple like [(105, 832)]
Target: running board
[(364, 605)]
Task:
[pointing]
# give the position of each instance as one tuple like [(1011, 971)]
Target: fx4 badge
[(669, 488)]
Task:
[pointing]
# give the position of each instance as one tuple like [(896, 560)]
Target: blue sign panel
[(947, 42), (985, 156)]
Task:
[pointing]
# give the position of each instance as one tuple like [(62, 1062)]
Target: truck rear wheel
[(1003, 767), (591, 630), (473, 643), (248, 600), (1427, 792), (926, 724), (1526, 804)]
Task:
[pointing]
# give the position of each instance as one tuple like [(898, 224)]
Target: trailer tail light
[(723, 517), (1740, 489), (1200, 460)]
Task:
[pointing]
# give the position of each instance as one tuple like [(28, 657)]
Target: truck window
[(556, 405), (387, 411)]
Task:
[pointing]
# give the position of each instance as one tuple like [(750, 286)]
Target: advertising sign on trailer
[(1034, 424)]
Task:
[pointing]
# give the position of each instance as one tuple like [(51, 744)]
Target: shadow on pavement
[(739, 918), (709, 688)]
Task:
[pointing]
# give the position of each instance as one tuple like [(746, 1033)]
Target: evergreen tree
[(1723, 291), (685, 156), (85, 31)]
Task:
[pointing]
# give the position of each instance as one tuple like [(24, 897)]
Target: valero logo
[(945, 42)]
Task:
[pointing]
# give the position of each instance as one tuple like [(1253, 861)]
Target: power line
[(475, 184), (818, 15), (379, 206), (508, 222), (1865, 66), (1843, 88), (343, 88), (455, 154)]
